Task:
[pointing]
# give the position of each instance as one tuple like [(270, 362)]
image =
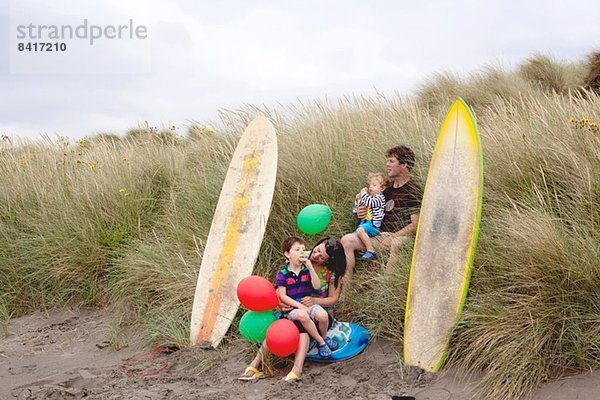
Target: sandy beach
[(63, 354)]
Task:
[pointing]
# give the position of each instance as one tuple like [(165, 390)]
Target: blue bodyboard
[(351, 338)]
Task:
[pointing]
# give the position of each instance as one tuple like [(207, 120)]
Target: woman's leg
[(262, 352), (257, 362), (300, 355)]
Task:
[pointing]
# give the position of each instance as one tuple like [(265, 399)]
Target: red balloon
[(282, 337), (257, 294)]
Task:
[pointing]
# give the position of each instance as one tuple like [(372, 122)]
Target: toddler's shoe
[(369, 256)]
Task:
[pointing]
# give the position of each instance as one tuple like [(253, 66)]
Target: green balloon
[(254, 325), (313, 219)]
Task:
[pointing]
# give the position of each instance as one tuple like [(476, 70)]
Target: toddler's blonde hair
[(378, 175)]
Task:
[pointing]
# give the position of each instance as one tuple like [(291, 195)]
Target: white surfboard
[(446, 240), (236, 232)]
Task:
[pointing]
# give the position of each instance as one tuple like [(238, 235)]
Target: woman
[(329, 260)]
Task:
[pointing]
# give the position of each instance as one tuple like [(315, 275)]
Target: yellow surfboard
[(236, 232), (445, 241)]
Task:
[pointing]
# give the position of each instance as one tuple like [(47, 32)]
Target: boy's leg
[(364, 238), (308, 324), (318, 314)]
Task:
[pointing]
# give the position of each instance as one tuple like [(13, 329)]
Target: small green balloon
[(254, 325), (313, 219)]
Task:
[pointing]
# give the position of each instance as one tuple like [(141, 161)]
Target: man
[(403, 199)]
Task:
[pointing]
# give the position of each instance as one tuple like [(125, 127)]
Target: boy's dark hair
[(289, 242), (403, 154)]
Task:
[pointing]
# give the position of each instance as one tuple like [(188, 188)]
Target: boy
[(299, 279)]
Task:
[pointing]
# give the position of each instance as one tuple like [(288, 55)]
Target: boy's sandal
[(256, 374), (292, 377), (324, 351), (333, 345)]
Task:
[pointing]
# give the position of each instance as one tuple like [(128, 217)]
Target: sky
[(202, 56)]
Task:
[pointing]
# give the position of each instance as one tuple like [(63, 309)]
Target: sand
[(61, 354)]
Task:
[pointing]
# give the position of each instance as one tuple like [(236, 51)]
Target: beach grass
[(111, 220)]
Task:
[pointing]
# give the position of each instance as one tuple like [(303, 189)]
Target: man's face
[(394, 168)]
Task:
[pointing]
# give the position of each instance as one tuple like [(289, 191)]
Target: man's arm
[(407, 230), (361, 212), (410, 228)]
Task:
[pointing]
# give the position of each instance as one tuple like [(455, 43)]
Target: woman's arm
[(333, 295)]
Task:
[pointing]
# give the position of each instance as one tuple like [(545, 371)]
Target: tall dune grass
[(124, 221)]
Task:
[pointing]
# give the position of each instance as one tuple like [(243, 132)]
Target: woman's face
[(319, 255)]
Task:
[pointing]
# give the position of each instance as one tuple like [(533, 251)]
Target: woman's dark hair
[(337, 257)]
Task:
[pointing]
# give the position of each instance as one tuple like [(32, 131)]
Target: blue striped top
[(376, 205)]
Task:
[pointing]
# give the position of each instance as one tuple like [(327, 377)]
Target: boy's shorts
[(312, 312), (369, 228), (301, 328)]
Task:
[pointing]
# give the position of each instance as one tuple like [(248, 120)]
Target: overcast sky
[(200, 56)]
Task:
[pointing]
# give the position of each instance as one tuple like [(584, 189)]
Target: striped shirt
[(376, 207), (296, 286)]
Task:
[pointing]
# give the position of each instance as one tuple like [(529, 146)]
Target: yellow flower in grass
[(585, 123)]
